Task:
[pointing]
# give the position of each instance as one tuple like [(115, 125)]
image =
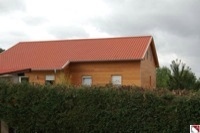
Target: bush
[(36, 108)]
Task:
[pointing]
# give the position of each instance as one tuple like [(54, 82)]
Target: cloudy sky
[(174, 24)]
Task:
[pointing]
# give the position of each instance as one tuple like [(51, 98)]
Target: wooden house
[(118, 61)]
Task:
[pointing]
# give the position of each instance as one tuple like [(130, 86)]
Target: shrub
[(36, 108)]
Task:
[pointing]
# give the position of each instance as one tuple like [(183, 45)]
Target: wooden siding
[(38, 77), (137, 73), (148, 70), (102, 72)]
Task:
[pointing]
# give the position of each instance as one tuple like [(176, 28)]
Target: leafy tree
[(182, 77), (197, 84), (1, 50), (162, 77)]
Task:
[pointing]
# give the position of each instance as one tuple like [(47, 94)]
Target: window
[(87, 80), (116, 80), (50, 79), (23, 79)]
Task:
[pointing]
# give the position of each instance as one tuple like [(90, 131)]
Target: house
[(120, 61)]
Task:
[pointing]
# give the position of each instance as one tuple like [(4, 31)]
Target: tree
[(162, 77), (182, 77), (197, 84), (1, 50)]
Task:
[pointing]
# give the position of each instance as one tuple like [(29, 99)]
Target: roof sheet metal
[(48, 55)]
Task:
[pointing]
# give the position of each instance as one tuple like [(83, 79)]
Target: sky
[(174, 24)]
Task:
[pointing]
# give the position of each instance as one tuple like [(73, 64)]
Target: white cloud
[(94, 32), (67, 11), (175, 25), (7, 6)]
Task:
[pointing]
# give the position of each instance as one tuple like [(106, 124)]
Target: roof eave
[(111, 60), (16, 71), (155, 53), (151, 43), (66, 64), (46, 69), (80, 61)]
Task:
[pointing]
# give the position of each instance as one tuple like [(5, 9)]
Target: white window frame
[(116, 80), (87, 77), (49, 78)]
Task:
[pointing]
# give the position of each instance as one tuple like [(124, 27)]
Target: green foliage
[(162, 77), (1, 50), (181, 77), (63, 109), (197, 84)]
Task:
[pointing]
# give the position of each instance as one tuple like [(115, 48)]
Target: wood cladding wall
[(139, 73), (101, 72), (38, 76), (148, 70)]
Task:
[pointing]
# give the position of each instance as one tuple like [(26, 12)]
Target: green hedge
[(62, 109)]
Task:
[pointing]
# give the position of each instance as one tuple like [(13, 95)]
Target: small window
[(49, 82), (23, 79), (87, 80), (116, 80), (50, 79)]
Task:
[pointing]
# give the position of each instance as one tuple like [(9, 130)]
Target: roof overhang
[(82, 61), (153, 47), (154, 53), (66, 64), (109, 60), (15, 71), (94, 61)]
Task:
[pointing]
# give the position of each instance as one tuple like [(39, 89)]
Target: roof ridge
[(86, 39)]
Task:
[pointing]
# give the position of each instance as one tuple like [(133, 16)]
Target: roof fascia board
[(44, 69), (150, 40), (80, 61), (155, 54), (16, 71), (66, 64), (153, 50)]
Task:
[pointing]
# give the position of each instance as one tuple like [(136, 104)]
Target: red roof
[(49, 55)]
